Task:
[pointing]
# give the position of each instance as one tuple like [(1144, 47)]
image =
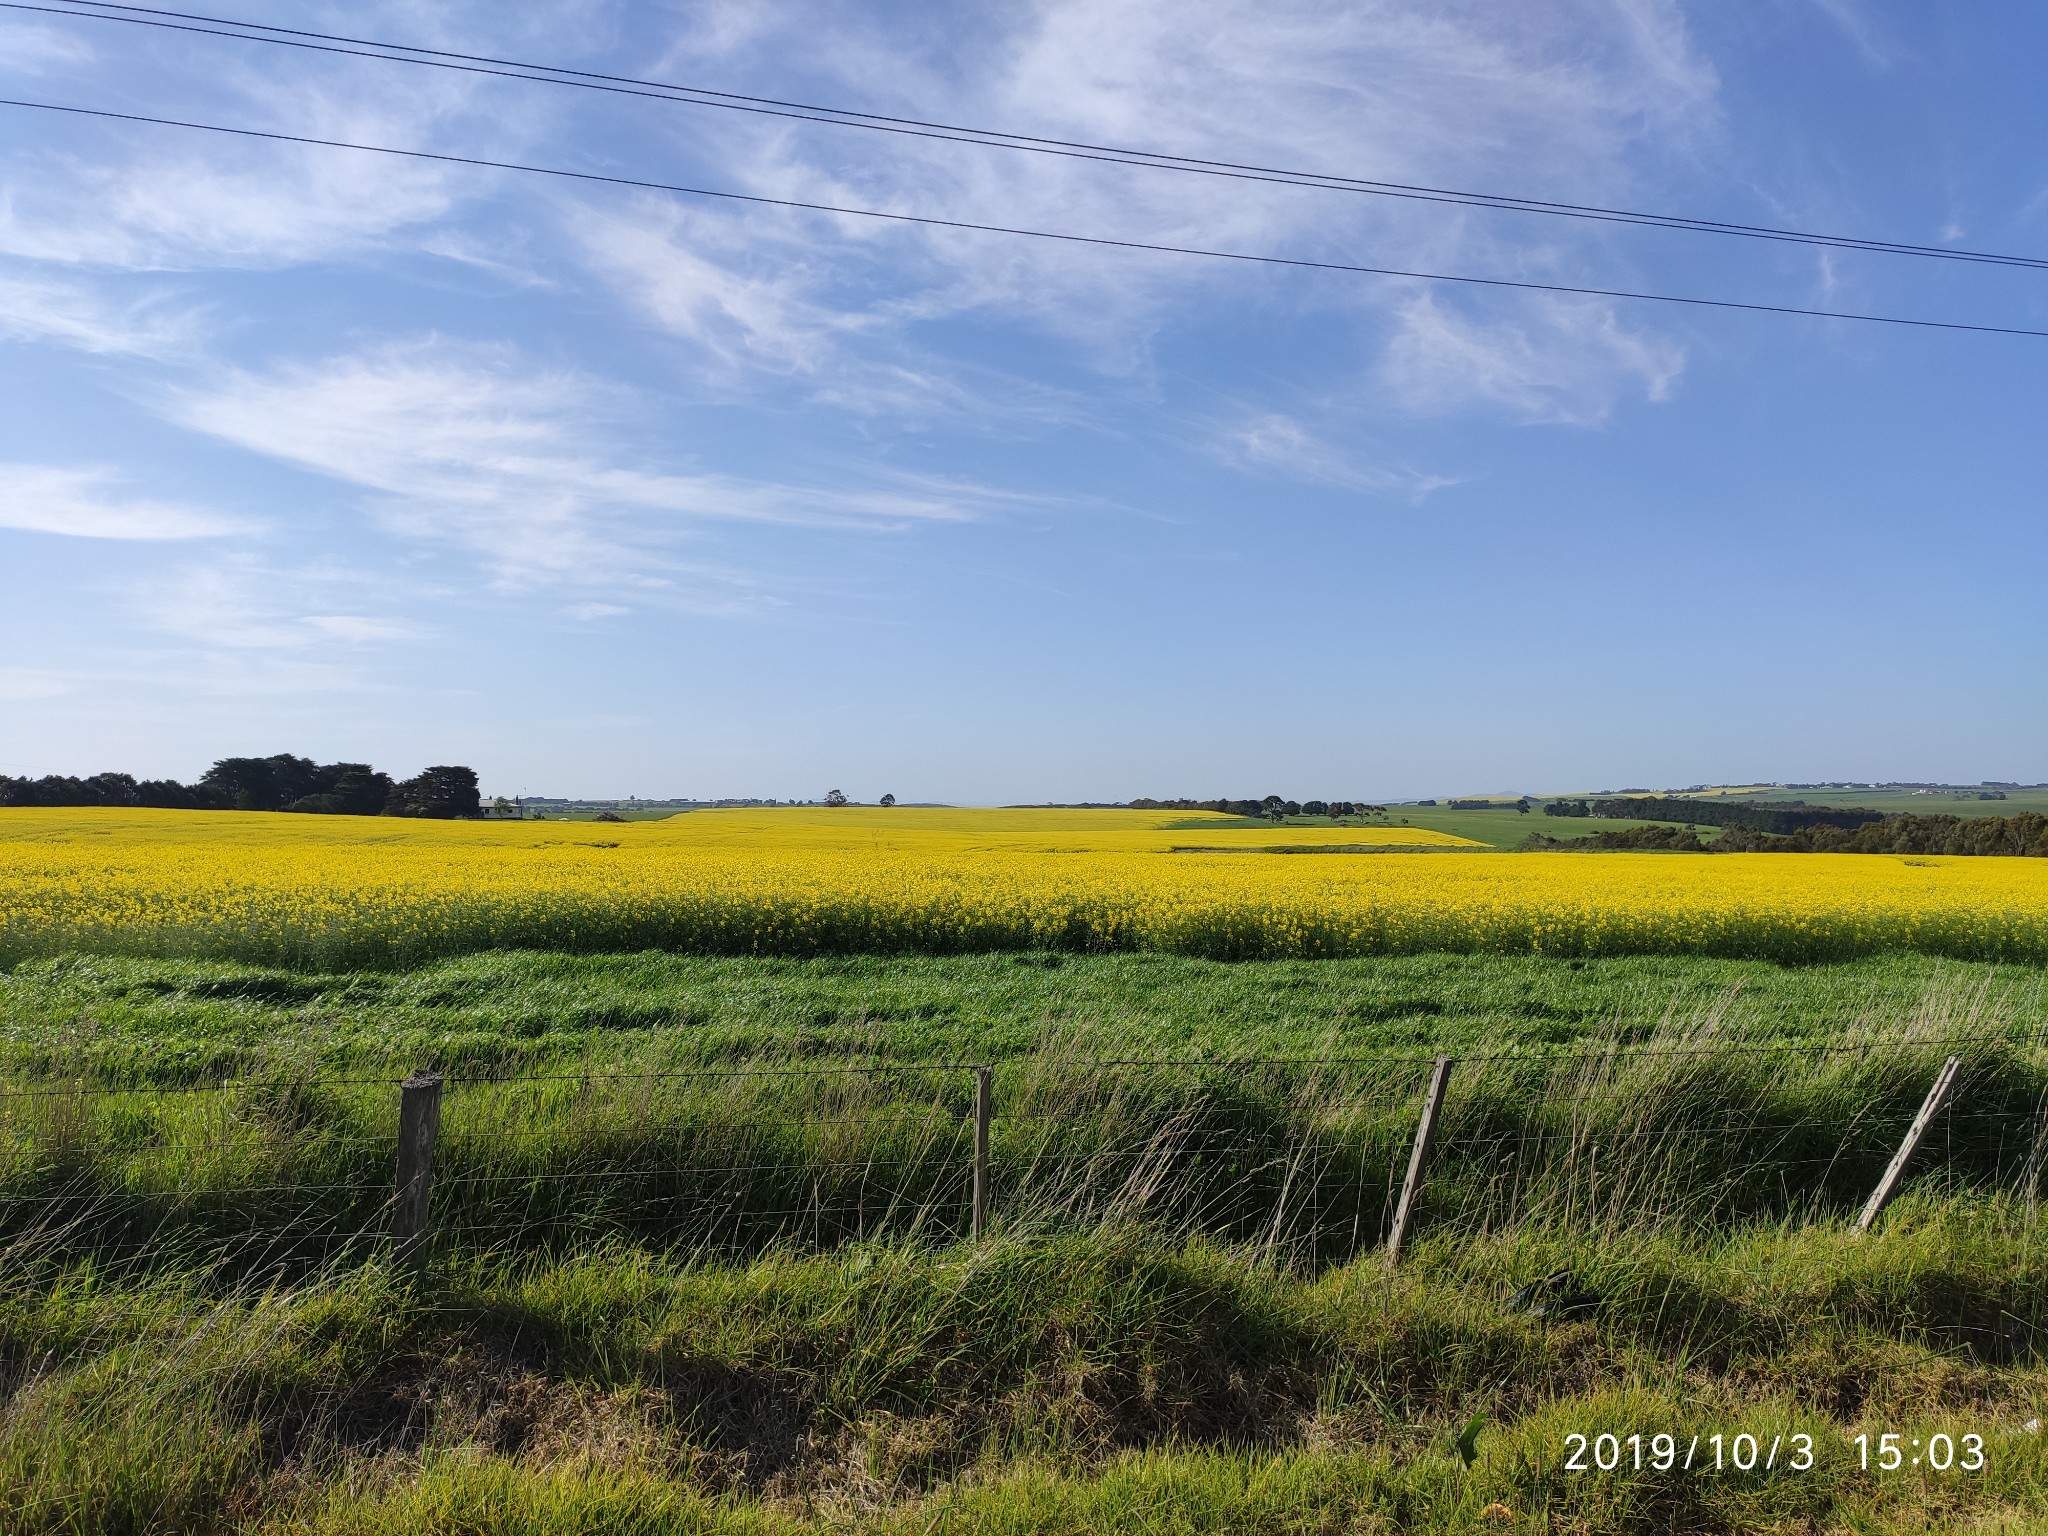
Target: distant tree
[(1315, 808), (2009, 836), (442, 793), (346, 789), (1661, 838), (262, 783), (888, 799), (1780, 817), (500, 806), (834, 797), (170, 795), (360, 789)]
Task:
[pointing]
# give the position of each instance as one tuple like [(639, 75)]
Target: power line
[(626, 85), (841, 210)]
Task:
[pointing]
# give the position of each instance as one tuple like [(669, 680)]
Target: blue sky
[(614, 492)]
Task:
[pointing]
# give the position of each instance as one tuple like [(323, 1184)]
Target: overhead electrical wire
[(1155, 247), (626, 85), (842, 210)]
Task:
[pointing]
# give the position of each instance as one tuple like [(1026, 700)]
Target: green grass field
[(143, 1021), (1935, 803), (692, 1275), (1503, 829)]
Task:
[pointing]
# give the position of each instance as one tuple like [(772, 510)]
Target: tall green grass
[(1094, 1380), (1693, 1125), (710, 1274)]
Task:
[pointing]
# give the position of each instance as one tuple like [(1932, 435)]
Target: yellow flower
[(345, 890)]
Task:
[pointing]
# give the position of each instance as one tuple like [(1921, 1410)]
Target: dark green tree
[(262, 783), (442, 793)]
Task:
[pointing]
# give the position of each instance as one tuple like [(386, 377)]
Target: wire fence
[(1304, 1158)]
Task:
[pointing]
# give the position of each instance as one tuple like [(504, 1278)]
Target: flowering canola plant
[(337, 891)]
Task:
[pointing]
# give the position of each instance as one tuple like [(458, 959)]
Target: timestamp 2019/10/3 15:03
[(1747, 1452)]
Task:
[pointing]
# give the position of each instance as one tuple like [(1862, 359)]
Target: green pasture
[(1507, 828), (160, 1021), (1935, 803)]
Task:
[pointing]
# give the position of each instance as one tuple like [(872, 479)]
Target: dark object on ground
[(1780, 816), (1557, 1295), (1467, 1443), (2024, 835), (281, 782), (1668, 839), (607, 816), (1271, 806)]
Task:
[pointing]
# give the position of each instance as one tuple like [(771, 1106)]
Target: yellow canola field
[(318, 890)]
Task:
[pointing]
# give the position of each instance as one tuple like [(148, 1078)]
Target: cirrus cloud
[(90, 504), (473, 446)]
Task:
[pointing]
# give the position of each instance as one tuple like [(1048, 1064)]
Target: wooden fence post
[(2034, 1151), (984, 1111), (419, 1124), (1425, 1133), (1888, 1186)]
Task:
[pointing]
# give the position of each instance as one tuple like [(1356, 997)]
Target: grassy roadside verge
[(1101, 1380), (596, 1347)]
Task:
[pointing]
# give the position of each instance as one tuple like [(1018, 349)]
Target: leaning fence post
[(1425, 1133), (1887, 1186), (2034, 1151), (984, 1111), (419, 1123)]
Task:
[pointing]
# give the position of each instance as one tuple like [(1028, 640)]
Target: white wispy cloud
[(18, 685), (73, 313), (1391, 89), (659, 255), (363, 628), (526, 467), (1554, 360), (30, 47), (774, 315), (131, 197), (1276, 442), (91, 504), (1397, 89), (1864, 31), (245, 602)]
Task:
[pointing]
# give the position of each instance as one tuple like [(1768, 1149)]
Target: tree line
[(1272, 808), (1781, 817), (282, 782), (2024, 835), (1628, 839)]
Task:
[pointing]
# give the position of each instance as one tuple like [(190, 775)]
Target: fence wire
[(1300, 1157)]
